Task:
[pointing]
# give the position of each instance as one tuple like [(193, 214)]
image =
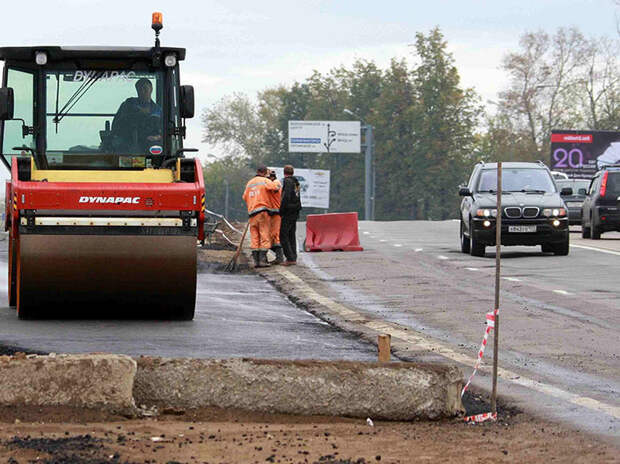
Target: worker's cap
[(261, 170), (272, 174), (142, 82)]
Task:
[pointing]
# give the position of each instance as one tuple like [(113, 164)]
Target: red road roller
[(103, 208)]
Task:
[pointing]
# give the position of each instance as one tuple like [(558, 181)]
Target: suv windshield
[(517, 180), (96, 118), (580, 187)]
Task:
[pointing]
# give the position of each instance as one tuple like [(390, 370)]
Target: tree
[(598, 85), (237, 126), (216, 173), (564, 81), (445, 117)]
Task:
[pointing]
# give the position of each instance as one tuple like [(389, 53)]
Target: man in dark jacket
[(289, 211)]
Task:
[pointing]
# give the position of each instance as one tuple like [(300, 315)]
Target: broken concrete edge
[(116, 383), (95, 381), (389, 391)]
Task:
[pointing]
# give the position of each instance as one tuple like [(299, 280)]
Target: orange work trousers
[(276, 222), (260, 231)]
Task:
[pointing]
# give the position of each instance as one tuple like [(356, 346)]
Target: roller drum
[(142, 276)]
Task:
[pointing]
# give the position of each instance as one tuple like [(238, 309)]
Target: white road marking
[(423, 342), (611, 252), (442, 257), (397, 245), (512, 279), (417, 250), (562, 292), (365, 233), (383, 240), (472, 268)]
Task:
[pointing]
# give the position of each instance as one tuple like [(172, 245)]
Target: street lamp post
[(369, 185)]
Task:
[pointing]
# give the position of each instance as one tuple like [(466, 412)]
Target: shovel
[(232, 265)]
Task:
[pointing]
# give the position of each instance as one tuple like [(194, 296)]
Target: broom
[(232, 265)]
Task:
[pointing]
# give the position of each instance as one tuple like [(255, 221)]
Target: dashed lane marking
[(383, 240), (365, 233), (563, 292), (442, 257), (426, 343), (472, 268), (512, 279), (397, 245), (601, 250), (417, 250)]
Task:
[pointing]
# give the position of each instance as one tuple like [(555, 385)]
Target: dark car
[(601, 208), (574, 200), (533, 212)]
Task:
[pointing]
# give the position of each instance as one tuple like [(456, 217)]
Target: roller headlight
[(170, 60), (40, 58)]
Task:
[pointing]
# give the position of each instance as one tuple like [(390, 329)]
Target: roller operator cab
[(103, 207)]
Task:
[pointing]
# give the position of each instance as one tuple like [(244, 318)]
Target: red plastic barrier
[(332, 232)]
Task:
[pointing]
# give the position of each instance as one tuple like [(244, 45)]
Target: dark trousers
[(287, 237)]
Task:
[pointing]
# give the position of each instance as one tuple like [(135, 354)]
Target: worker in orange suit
[(257, 197), (276, 220)]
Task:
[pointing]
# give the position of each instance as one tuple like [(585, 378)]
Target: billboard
[(324, 137), (313, 184), (582, 153)]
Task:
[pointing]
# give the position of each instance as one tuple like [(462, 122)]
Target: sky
[(246, 46)]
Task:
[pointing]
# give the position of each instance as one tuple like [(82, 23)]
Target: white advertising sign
[(314, 186), (324, 137)]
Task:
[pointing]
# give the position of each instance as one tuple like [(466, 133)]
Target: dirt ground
[(61, 435)]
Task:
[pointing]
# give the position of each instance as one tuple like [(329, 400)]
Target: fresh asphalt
[(237, 315)]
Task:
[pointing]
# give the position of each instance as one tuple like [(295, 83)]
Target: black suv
[(601, 208), (533, 212)]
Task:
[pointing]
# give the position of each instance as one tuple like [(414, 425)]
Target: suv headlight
[(554, 212), (486, 212)]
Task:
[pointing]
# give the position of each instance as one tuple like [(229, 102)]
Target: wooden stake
[(498, 255), (384, 342)]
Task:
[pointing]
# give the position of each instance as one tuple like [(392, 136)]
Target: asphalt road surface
[(236, 316), (559, 315)]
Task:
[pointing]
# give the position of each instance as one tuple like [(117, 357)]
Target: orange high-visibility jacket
[(257, 194), (275, 197)]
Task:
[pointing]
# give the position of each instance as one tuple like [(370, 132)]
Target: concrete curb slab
[(89, 380), (391, 391)]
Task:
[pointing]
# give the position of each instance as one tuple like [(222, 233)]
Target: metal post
[(498, 245), (368, 174), (226, 192), (374, 184)]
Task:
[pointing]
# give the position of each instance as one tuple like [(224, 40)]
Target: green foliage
[(236, 172)]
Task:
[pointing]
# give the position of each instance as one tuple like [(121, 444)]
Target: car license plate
[(521, 228), (574, 204)]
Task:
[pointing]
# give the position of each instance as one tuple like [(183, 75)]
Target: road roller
[(103, 207)]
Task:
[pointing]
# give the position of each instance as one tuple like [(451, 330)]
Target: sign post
[(324, 137), (314, 186), (498, 247)]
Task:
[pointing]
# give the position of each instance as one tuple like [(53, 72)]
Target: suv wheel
[(595, 232), (465, 245), (547, 248), (476, 248), (561, 249), (585, 231)]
